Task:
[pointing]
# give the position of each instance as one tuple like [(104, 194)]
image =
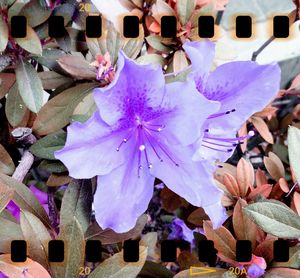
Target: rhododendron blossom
[(144, 129), (242, 88)]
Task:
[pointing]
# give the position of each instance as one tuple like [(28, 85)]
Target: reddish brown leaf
[(296, 202), (260, 177), (244, 228), (263, 190), (283, 185), (223, 240), (6, 82), (265, 249), (231, 185), (245, 176)]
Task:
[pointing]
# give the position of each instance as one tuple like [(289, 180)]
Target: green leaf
[(115, 267), (6, 195), (30, 86), (294, 258), (9, 231), (294, 150), (49, 59), (155, 270), (282, 273), (185, 9), (77, 201), (36, 236), (53, 166), (15, 108), (112, 41), (73, 238), (58, 111), (151, 59), (274, 218), (7, 166), (77, 67), (25, 199), (179, 61), (31, 42), (35, 13), (3, 34), (155, 42), (109, 236), (45, 147), (52, 80)]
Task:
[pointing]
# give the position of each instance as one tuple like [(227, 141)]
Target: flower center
[(145, 134)]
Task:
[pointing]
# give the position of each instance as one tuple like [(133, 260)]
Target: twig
[(24, 166), (23, 136), (257, 52), (52, 208), (293, 16)]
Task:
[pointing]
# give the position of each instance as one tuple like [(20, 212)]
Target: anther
[(150, 166)]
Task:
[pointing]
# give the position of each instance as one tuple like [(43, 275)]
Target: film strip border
[(131, 28), (206, 251)]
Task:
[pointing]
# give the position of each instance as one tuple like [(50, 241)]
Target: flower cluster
[(145, 128)]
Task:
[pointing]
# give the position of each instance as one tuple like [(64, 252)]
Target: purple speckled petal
[(190, 110), (40, 195), (90, 148), (244, 86), (13, 209), (121, 196), (134, 85), (201, 55), (191, 180)]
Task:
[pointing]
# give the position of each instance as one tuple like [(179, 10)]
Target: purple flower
[(40, 195), (254, 271), (144, 129), (242, 88), (2, 275)]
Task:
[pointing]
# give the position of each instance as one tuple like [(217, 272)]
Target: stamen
[(250, 134), (153, 148), (221, 114), (166, 153), (218, 150), (221, 145), (125, 140)]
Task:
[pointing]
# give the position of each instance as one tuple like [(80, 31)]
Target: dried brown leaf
[(244, 228), (223, 240), (197, 217), (58, 180), (263, 129), (186, 259), (274, 166), (108, 236)]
